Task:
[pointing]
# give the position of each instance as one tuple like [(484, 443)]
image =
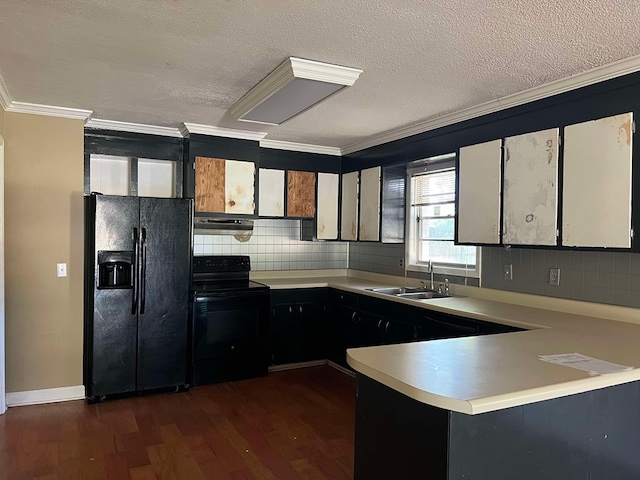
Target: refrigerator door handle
[(143, 270), (136, 262)]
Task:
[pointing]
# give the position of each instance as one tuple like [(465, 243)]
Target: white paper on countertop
[(582, 362)]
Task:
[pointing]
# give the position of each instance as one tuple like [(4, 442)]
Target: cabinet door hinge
[(559, 141), (193, 165), (632, 233), (633, 126), (557, 233)]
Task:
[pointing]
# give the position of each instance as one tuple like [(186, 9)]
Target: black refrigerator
[(138, 255)]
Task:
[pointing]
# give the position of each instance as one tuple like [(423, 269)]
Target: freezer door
[(110, 341), (165, 226)]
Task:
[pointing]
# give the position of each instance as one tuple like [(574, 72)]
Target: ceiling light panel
[(292, 88)]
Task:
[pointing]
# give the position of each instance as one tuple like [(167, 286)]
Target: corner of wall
[(44, 175)]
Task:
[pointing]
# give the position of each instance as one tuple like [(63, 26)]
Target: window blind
[(433, 188)]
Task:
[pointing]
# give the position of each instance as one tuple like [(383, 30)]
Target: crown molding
[(300, 147), (5, 99), (49, 111), (324, 72), (590, 77), (133, 127), (187, 128), (285, 73)]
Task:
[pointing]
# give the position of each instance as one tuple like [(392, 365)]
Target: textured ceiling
[(164, 62)]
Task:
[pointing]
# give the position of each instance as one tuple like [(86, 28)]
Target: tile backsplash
[(602, 277), (377, 257), (387, 257), (276, 245)]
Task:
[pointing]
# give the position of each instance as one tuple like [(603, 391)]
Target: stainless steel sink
[(422, 295), (395, 290)]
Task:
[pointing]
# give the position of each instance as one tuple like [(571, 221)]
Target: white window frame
[(431, 165)]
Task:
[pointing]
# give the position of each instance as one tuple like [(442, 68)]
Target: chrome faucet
[(446, 287), (430, 266)]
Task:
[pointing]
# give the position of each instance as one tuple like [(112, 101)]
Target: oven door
[(230, 336)]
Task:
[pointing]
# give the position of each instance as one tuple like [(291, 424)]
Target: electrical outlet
[(554, 277), (61, 269), (401, 262), (508, 271)]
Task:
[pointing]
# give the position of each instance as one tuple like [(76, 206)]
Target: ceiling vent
[(292, 88)]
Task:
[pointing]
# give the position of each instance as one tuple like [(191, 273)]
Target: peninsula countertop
[(480, 374)]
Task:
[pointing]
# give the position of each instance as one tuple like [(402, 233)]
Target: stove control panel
[(221, 263)]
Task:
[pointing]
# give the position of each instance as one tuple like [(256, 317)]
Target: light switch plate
[(508, 271), (554, 277), (61, 269)]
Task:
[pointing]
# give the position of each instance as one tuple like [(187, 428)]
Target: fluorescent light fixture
[(292, 88)]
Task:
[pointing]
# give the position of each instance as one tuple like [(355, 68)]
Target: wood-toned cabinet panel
[(369, 228), (349, 221), (327, 221), (239, 187), (224, 186), (301, 194), (479, 188), (271, 193), (597, 183), (210, 179), (530, 201)]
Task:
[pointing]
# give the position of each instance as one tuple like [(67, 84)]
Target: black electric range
[(230, 320)]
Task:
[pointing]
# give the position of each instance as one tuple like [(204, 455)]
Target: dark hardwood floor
[(291, 425)]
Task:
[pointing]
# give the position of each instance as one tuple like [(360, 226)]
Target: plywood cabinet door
[(327, 221), (349, 221), (369, 229), (271, 193), (301, 194), (479, 189), (530, 201), (224, 186), (596, 190), (210, 180)]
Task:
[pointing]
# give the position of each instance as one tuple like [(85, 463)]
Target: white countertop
[(481, 374)]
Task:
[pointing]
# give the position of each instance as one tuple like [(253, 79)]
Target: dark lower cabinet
[(313, 324), (344, 324), (435, 325), (299, 325), (380, 330), (591, 435)]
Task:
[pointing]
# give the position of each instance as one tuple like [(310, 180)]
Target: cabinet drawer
[(343, 298)]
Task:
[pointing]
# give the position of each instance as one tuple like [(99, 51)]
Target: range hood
[(222, 226)]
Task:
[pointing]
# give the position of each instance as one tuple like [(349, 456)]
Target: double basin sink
[(412, 293)]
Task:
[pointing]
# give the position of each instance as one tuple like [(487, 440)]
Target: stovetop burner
[(223, 273)]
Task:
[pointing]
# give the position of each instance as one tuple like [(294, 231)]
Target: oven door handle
[(202, 297)]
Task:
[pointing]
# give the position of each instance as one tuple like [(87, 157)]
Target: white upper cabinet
[(239, 187), (530, 200), (349, 221), (479, 193), (327, 206), (369, 228), (271, 193), (596, 195)]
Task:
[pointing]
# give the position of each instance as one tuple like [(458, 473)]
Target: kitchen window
[(431, 212)]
